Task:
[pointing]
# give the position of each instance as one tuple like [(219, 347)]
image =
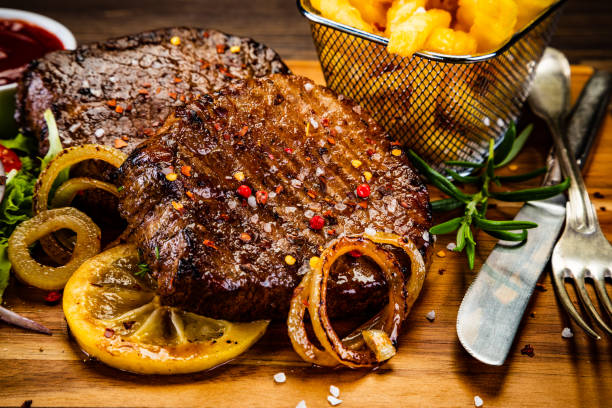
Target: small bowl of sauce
[(24, 37)]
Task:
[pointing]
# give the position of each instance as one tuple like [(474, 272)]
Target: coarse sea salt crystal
[(301, 404), (357, 109), (254, 219), (309, 213), (478, 401), (431, 316), (335, 391), (319, 171), (340, 206), (376, 156), (314, 123), (99, 132), (338, 129), (296, 183), (232, 204), (267, 227), (451, 246), (272, 194), (308, 86), (290, 209), (426, 235), (252, 201), (333, 400), (280, 378), (567, 333), (370, 231)]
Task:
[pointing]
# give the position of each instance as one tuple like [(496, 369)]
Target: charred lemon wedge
[(116, 317)]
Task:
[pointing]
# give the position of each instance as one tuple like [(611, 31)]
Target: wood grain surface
[(584, 32), (431, 368)]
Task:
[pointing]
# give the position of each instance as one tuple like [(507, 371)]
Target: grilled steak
[(126, 87), (294, 145)]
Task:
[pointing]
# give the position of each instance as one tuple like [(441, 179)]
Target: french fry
[(411, 35), (373, 12), (528, 10), (400, 11), (494, 23), (343, 12), (445, 40)]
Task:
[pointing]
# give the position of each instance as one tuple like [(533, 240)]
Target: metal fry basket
[(444, 107)]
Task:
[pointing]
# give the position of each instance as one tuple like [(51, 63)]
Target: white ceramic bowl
[(8, 127)]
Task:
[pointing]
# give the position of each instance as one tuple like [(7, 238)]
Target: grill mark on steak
[(248, 279), (77, 84)]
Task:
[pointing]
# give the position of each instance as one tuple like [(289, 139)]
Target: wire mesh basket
[(443, 107)]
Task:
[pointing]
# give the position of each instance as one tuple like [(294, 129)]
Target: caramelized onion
[(69, 189), (65, 159), (382, 330), (46, 222)]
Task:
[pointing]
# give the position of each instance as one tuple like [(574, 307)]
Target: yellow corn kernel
[(171, 176), (289, 260), (175, 40), (239, 176)]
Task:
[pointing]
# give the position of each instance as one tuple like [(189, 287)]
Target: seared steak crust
[(219, 254), (126, 87)]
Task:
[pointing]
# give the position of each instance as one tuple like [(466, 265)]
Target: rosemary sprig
[(475, 205)]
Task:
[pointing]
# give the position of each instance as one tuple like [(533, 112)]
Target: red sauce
[(20, 43)]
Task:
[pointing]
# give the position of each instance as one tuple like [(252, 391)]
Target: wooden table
[(431, 368)]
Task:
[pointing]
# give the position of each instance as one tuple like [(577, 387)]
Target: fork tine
[(569, 306), (602, 293), (586, 301)]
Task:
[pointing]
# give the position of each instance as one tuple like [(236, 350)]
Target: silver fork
[(582, 251)]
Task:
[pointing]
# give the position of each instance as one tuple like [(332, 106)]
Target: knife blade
[(493, 305)]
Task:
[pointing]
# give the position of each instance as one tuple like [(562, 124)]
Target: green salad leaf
[(16, 206)]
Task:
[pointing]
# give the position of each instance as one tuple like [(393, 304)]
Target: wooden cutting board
[(431, 368)]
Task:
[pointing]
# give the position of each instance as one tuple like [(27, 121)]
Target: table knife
[(493, 305)]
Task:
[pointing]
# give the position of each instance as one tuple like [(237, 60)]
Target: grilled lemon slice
[(116, 317)]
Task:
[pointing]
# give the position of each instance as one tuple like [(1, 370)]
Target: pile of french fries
[(451, 27)]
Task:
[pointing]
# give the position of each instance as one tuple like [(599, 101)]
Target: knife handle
[(584, 123)]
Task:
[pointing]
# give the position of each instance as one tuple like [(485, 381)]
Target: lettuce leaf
[(16, 206)]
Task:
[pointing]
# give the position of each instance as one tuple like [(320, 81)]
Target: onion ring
[(66, 158), (402, 296), (30, 231), (66, 192)]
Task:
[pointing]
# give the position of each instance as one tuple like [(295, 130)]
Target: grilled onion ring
[(66, 158), (347, 351), (66, 192), (30, 231)]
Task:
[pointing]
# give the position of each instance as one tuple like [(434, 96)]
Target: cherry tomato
[(9, 159)]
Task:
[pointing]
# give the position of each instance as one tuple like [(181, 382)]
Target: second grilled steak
[(302, 152), (117, 92)]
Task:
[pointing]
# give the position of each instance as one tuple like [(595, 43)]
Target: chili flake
[(279, 189), (363, 190), (317, 222), (312, 194), (119, 144), (171, 176), (396, 152), (355, 254), (528, 350), (314, 262), (53, 297), (125, 137), (243, 131), (175, 40), (173, 95), (112, 103), (220, 48), (244, 191), (289, 260), (363, 204), (217, 126), (235, 49), (143, 92), (356, 163), (118, 109), (186, 170), (178, 206), (245, 237), (190, 195), (177, 80), (210, 244), (261, 197), (288, 150), (367, 175), (331, 141)]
